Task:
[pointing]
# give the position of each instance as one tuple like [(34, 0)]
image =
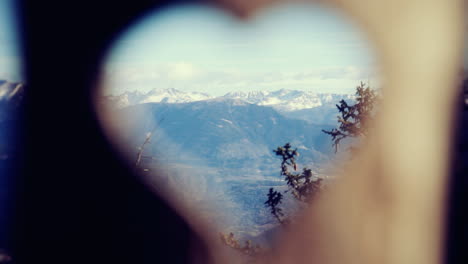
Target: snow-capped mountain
[(282, 100), (316, 108), (220, 148), (11, 94), (289, 100), (11, 98), (10, 90), (170, 95)]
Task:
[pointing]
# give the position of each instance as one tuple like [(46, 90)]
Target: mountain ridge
[(222, 150), (283, 100)]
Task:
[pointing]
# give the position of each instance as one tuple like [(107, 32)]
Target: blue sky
[(9, 49), (202, 49)]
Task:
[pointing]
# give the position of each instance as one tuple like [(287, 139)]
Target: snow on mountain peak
[(157, 95), (8, 90), (286, 100), (283, 100), (253, 97)]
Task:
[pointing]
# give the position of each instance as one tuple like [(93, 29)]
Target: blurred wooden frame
[(390, 205)]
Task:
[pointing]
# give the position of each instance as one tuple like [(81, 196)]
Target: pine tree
[(304, 186), (354, 118)]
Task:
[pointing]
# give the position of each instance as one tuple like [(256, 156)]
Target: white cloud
[(347, 72), (10, 68), (187, 76), (181, 71)]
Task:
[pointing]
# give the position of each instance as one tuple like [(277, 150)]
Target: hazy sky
[(203, 49), (9, 50)]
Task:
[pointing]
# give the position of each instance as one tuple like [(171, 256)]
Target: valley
[(217, 152)]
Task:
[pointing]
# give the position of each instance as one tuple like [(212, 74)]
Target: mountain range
[(11, 94), (221, 148), (283, 99), (216, 148)]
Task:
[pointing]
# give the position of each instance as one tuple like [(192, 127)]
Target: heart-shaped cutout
[(198, 101)]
